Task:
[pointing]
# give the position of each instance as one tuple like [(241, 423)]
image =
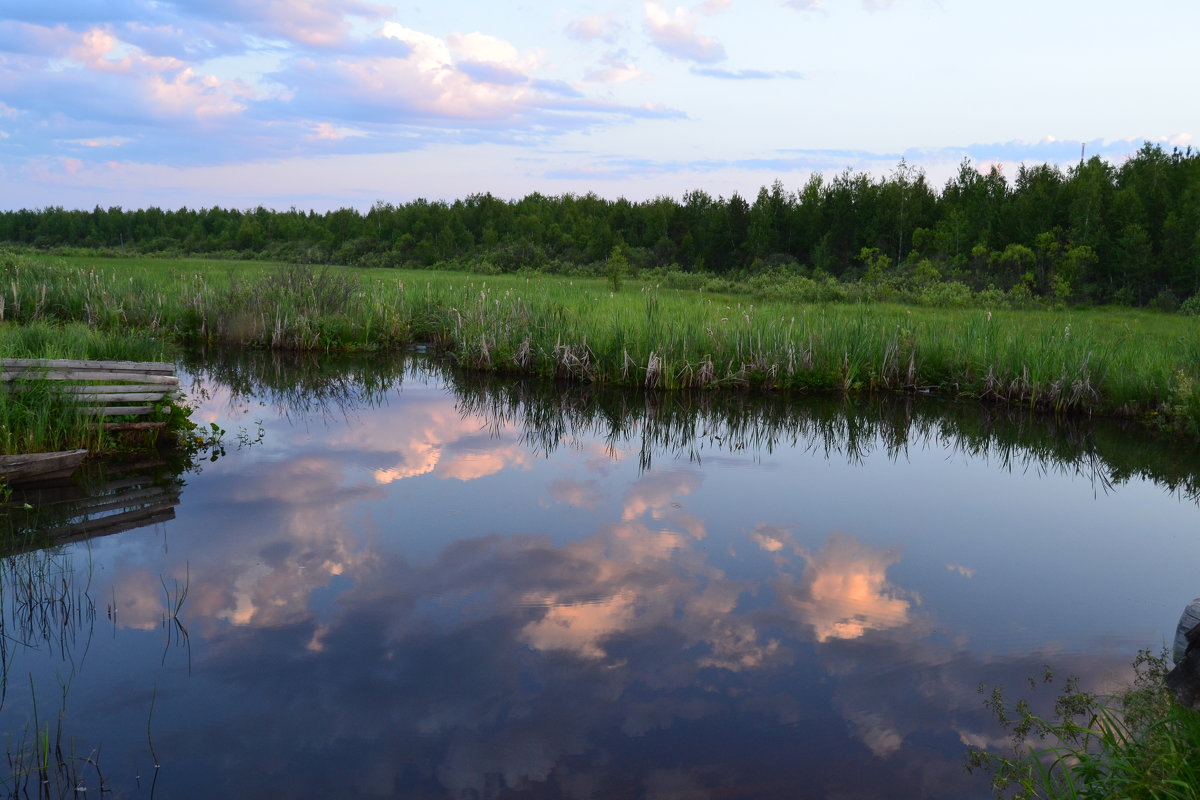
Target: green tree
[(617, 267)]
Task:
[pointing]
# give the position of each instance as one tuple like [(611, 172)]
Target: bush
[(1019, 296), (991, 297), (1137, 744), (672, 277), (1165, 301), (948, 294), (1191, 306), (719, 285)]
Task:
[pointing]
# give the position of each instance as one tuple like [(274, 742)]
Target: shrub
[(991, 297), (947, 294), (1137, 744)]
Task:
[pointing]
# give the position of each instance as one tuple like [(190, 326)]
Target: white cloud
[(615, 68), (486, 49), (674, 32), (597, 27)]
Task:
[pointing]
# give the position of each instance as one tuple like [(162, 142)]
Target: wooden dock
[(103, 388)]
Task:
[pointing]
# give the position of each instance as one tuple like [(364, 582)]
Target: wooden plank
[(36, 466), (158, 367), (133, 426), (125, 397), (111, 388), (88, 375), (117, 411)]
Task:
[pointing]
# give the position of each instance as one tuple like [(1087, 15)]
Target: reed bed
[(1125, 363)]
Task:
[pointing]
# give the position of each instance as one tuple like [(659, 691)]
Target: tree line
[(1093, 233)]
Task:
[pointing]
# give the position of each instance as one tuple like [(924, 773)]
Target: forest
[(1095, 233)]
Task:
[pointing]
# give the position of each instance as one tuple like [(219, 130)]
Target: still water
[(395, 582)]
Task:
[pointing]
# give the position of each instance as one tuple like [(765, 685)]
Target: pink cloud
[(430, 80), (674, 32), (816, 5), (102, 141), (96, 48), (597, 27), (844, 591), (24, 37), (316, 23), (656, 493), (188, 94), (168, 86), (325, 131), (615, 69), (580, 494)]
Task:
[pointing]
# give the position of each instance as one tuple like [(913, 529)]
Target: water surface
[(396, 582)]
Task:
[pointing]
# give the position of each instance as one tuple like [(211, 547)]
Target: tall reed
[(1124, 363)]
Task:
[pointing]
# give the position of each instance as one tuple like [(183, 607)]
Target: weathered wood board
[(103, 388), (40, 466)]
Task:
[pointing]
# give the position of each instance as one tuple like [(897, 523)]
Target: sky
[(329, 103)]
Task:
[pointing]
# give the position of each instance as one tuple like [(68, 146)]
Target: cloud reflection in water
[(626, 658)]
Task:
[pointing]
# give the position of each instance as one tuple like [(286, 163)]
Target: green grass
[(48, 339), (1136, 744), (35, 418), (1119, 362)]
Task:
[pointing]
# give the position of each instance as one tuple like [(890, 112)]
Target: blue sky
[(328, 103)]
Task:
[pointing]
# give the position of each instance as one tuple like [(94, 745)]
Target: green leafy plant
[(1138, 743)]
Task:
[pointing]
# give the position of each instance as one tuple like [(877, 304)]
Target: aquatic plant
[(1138, 743)]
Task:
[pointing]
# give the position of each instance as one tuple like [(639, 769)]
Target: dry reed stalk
[(653, 371)]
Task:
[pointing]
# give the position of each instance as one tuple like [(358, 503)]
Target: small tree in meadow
[(616, 267)]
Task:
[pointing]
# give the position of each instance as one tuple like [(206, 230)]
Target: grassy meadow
[(1121, 362)]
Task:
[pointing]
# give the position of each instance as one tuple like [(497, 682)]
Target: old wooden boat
[(40, 466)]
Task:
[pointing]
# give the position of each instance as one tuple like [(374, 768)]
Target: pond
[(396, 581)]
